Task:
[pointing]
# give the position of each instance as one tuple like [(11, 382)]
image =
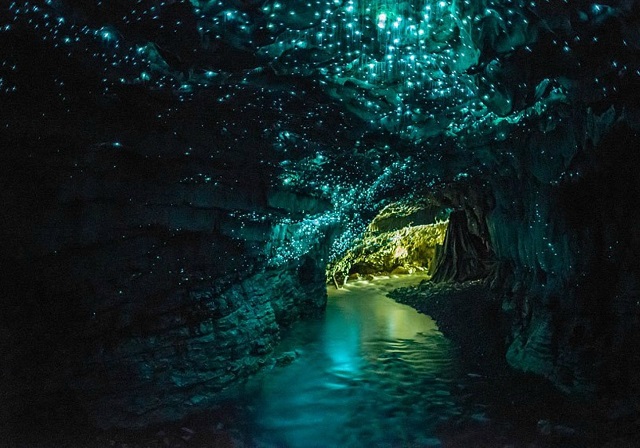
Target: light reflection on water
[(371, 372)]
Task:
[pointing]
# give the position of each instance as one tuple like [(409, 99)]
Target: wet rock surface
[(401, 239), (462, 311), (139, 294), (468, 312)]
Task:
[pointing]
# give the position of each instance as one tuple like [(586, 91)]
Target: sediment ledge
[(467, 312)]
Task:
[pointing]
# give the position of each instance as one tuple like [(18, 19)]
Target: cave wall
[(551, 227), (463, 255), (564, 239), (401, 239), (138, 285)]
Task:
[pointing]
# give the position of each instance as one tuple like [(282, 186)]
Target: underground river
[(371, 372)]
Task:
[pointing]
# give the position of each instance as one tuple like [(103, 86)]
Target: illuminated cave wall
[(402, 239), (176, 166)]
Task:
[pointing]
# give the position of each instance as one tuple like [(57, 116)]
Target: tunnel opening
[(404, 238)]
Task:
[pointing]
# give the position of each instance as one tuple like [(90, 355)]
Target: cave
[(336, 223)]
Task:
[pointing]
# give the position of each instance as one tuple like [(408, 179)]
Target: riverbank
[(467, 313), (539, 416)]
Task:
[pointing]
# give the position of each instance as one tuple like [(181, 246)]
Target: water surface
[(370, 372)]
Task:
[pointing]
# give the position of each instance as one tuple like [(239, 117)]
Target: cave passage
[(370, 372), (374, 372), (403, 238)]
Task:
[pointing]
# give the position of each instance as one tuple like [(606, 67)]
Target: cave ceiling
[(349, 100)]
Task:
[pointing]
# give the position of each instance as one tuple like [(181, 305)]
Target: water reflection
[(371, 372)]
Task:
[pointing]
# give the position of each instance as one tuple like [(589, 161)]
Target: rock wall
[(463, 255), (563, 233), (138, 283), (552, 227), (401, 239), (202, 341)]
